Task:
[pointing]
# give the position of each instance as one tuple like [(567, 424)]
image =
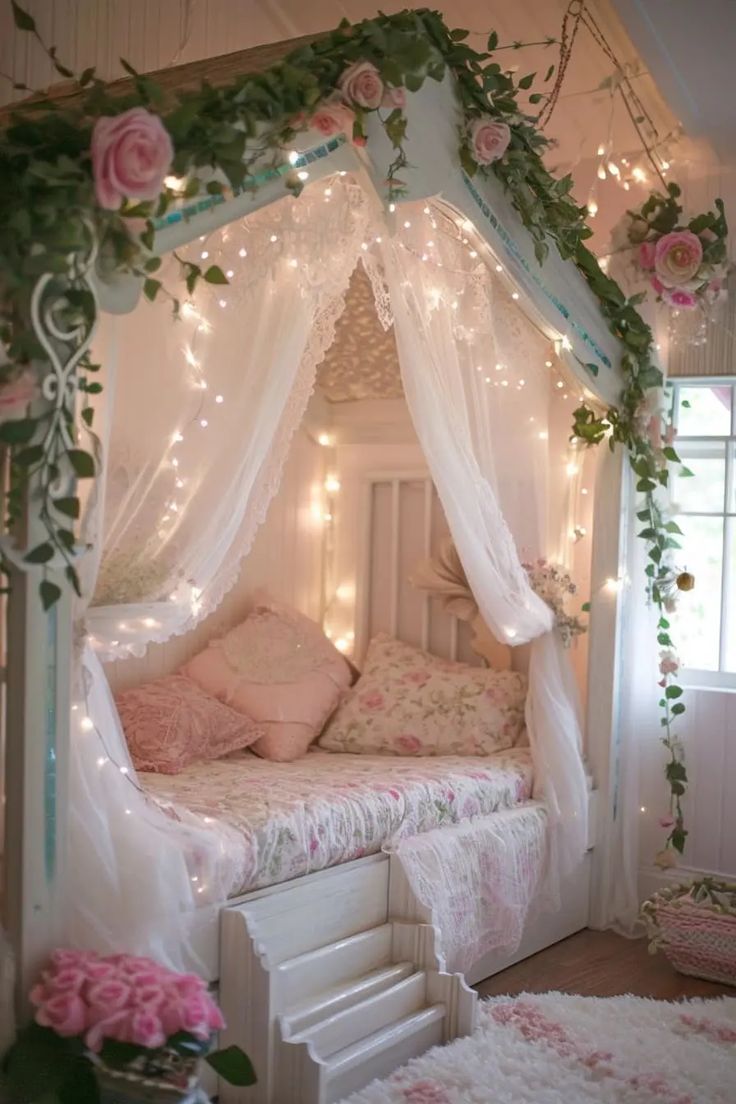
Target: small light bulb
[(293, 157), (219, 399), (407, 224), (548, 364), (592, 208), (341, 644), (303, 174), (332, 484), (293, 263), (543, 436), (514, 295), (584, 491), (601, 151), (601, 173), (203, 422), (499, 268), (572, 469), (273, 238), (223, 303), (325, 440), (101, 761), (392, 207), (243, 252), (229, 274)]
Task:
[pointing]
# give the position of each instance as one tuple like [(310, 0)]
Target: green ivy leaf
[(41, 554), (673, 692), (23, 21), (70, 506), (527, 81), (82, 463), (215, 275), (50, 594), (677, 709), (151, 288)]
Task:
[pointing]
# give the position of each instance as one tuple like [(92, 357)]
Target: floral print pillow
[(408, 702)]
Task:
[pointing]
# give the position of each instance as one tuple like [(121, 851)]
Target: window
[(705, 508)]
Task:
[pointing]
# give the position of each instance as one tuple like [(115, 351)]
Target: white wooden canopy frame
[(558, 301)]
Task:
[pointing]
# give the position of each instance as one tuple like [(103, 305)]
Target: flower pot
[(695, 927), (131, 1086)]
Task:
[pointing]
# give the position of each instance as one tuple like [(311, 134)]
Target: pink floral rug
[(558, 1049)]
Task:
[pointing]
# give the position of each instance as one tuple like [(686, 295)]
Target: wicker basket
[(695, 926)]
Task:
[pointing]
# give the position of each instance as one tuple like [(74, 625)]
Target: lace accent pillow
[(171, 722), (408, 702), (279, 668)]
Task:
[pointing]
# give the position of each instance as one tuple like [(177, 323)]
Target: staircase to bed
[(350, 994)]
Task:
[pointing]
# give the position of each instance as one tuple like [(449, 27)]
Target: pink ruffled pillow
[(279, 668), (408, 702), (171, 722)]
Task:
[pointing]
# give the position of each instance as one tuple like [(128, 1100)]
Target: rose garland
[(103, 164), (686, 265)]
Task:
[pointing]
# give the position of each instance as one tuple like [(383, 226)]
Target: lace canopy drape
[(204, 411)]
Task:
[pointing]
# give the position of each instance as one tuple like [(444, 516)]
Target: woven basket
[(695, 926)]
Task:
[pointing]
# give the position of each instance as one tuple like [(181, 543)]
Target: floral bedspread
[(326, 809)]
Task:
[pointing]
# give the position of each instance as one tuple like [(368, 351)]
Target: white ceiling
[(690, 50)]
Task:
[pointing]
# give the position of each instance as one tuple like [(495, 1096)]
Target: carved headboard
[(402, 524)]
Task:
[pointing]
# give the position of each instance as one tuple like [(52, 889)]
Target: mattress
[(326, 809)]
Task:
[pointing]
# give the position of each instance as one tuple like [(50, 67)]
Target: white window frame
[(692, 677)]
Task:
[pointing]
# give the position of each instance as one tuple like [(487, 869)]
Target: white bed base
[(336, 978)]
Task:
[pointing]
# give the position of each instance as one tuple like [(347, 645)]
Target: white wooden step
[(367, 1018), (380, 1054), (325, 968), (350, 992)]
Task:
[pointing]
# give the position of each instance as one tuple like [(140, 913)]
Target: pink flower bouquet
[(120, 1018), (685, 265)]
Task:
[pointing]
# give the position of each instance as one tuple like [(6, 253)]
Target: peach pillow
[(278, 667), (171, 722), (409, 702)]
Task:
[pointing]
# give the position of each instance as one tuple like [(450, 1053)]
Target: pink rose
[(668, 662), (677, 257), (361, 84), (64, 1013), (678, 297), (146, 1029), (149, 996), (62, 957), (131, 155), (646, 255), (190, 983), (196, 1015), (657, 285), (332, 118), (15, 395), (68, 979), (116, 1026), (489, 139), (667, 822), (108, 996), (409, 744), (394, 97)]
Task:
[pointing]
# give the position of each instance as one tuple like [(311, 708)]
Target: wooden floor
[(600, 964)]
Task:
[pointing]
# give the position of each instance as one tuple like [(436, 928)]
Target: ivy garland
[(49, 217)]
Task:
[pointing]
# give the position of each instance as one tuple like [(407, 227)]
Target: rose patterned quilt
[(325, 809)]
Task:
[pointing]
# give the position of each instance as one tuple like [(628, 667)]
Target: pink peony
[(677, 257), (64, 1013), (394, 97), (667, 821), (646, 255), (332, 118), (16, 394), (489, 139), (361, 84), (131, 155)]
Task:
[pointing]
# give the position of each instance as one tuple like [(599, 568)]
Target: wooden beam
[(217, 71)]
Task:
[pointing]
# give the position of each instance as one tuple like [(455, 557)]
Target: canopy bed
[(341, 900)]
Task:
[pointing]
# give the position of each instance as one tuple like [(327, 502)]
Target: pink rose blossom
[(678, 297), (62, 957), (115, 1026), (68, 979), (677, 257), (668, 662), (131, 154), (99, 971), (394, 97), (361, 84), (64, 1013), (667, 822), (16, 394), (108, 996), (646, 255), (332, 118), (489, 139), (146, 1029), (149, 996), (190, 983), (195, 1016)]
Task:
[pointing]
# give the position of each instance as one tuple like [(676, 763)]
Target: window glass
[(704, 491), (704, 411), (698, 614), (729, 659)]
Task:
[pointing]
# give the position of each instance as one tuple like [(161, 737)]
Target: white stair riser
[(330, 1002), (325, 968), (424, 1031), (368, 1017)]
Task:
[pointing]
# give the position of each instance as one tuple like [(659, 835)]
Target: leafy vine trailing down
[(57, 180)]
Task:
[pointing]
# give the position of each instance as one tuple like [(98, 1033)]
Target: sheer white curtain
[(478, 390), (203, 413)]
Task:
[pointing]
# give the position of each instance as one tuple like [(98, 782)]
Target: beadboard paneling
[(286, 561)]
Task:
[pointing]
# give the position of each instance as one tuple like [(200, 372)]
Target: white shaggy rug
[(558, 1049)]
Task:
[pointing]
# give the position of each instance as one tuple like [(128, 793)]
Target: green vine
[(223, 137)]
